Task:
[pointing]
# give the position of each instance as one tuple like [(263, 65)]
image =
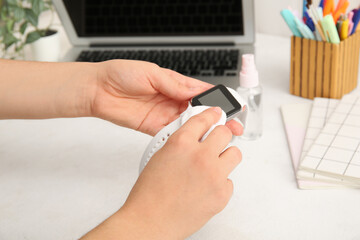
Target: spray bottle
[(251, 91)]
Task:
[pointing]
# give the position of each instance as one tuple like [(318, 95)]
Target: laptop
[(203, 39)]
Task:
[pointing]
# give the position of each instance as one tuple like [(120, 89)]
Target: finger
[(219, 138), (177, 86), (199, 124), (183, 107), (229, 188), (229, 159), (188, 81), (226, 191), (236, 128)]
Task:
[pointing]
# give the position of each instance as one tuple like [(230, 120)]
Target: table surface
[(59, 178)]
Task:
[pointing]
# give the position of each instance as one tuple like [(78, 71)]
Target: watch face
[(218, 96)]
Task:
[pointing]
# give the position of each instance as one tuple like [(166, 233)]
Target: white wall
[(268, 18)]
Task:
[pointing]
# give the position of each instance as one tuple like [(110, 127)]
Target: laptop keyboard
[(187, 62)]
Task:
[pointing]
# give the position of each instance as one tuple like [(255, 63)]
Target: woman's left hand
[(143, 96)]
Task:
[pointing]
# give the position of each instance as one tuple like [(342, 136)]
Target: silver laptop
[(203, 39)]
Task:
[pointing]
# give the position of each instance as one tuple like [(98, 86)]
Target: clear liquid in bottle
[(253, 125), (251, 91)]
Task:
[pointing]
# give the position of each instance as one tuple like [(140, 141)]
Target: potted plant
[(19, 26)]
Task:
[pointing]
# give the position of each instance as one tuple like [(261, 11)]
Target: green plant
[(19, 25)]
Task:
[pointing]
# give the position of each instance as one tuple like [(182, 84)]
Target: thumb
[(177, 86)]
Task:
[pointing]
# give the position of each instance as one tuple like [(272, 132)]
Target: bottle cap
[(249, 76)]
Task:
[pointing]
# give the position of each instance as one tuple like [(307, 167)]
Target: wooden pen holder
[(322, 69)]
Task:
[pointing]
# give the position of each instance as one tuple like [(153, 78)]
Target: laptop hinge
[(164, 44)]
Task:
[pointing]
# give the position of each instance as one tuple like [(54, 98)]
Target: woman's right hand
[(186, 182), (181, 188)]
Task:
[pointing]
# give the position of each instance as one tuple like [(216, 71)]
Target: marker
[(329, 7), (340, 10), (290, 21), (338, 26), (329, 28), (344, 29)]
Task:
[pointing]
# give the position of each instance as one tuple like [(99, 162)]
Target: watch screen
[(217, 99), (218, 96)]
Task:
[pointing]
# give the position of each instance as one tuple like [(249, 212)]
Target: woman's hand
[(181, 188), (134, 94), (144, 96)]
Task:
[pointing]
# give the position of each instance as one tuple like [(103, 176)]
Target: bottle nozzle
[(249, 76)]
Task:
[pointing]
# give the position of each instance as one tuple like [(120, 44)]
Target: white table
[(59, 178)]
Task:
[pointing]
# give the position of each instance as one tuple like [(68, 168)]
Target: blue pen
[(304, 16), (355, 19), (290, 21), (309, 22)]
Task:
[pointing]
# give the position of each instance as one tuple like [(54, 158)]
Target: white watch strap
[(163, 135), (159, 141)]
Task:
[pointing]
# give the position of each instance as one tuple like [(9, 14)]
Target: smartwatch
[(232, 105)]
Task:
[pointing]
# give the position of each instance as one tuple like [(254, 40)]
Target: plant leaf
[(19, 13), (9, 40), (12, 2), (3, 14), (32, 37), (23, 27), (10, 25), (3, 31), (19, 48), (38, 6), (31, 17)]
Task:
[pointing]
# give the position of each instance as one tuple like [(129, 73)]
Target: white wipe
[(197, 110)]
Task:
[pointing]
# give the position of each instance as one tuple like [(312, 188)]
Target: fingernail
[(217, 110)]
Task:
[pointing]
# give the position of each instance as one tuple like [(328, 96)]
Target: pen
[(344, 29), (290, 21), (341, 10), (306, 4), (304, 10), (356, 20), (316, 19), (305, 30), (319, 13), (310, 23), (338, 26), (351, 24), (328, 7)]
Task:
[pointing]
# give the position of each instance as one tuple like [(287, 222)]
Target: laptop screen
[(123, 18)]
